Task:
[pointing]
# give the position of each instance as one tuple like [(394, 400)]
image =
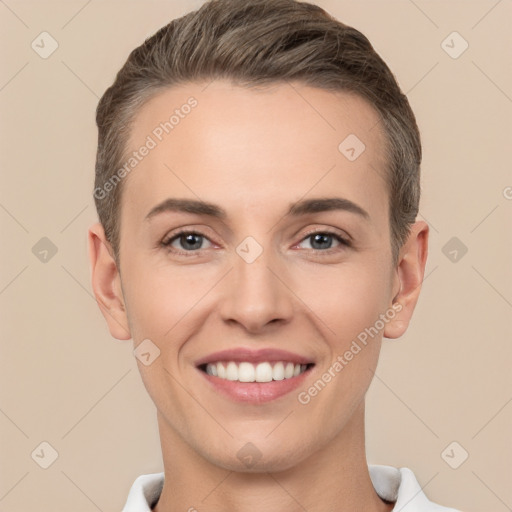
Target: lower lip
[(256, 392)]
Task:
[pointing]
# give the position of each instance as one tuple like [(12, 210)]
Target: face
[(255, 247)]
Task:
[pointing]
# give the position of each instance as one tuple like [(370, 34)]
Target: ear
[(410, 271), (106, 283)]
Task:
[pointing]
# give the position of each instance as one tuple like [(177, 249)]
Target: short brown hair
[(252, 43)]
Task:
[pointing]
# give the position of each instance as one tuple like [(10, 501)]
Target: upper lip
[(240, 355)]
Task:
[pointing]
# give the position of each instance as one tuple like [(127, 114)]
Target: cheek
[(346, 299), (159, 298), (346, 303)]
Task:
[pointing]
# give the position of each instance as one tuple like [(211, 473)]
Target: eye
[(188, 241), (323, 240)]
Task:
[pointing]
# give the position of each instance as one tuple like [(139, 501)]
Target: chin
[(259, 456)]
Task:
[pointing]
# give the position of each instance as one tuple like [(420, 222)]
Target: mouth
[(250, 376), (245, 371)]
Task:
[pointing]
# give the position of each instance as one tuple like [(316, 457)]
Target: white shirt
[(398, 485)]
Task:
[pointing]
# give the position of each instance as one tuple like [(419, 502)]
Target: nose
[(256, 294)]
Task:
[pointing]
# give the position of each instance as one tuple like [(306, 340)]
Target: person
[(257, 185)]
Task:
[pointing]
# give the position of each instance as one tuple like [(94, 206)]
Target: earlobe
[(106, 283), (410, 273)]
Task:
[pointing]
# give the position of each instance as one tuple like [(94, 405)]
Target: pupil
[(190, 239), (321, 238)]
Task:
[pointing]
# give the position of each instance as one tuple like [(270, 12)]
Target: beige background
[(65, 381)]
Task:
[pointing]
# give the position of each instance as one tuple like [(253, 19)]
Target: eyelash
[(166, 243)]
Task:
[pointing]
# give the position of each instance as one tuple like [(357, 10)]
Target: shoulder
[(400, 485), (144, 493)]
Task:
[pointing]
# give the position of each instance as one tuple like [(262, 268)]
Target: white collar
[(397, 485)]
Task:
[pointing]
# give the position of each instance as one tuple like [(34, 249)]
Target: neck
[(334, 478)]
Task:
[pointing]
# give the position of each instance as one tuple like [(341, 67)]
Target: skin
[(253, 152)]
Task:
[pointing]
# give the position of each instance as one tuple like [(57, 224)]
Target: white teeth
[(288, 371), (232, 371), (246, 372), (278, 371), (221, 371), (261, 372)]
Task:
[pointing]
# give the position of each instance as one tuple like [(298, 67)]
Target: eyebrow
[(297, 209)]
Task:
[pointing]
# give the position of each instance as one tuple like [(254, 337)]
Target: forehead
[(251, 148)]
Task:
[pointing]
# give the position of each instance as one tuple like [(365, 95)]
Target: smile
[(249, 376), (264, 371)]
